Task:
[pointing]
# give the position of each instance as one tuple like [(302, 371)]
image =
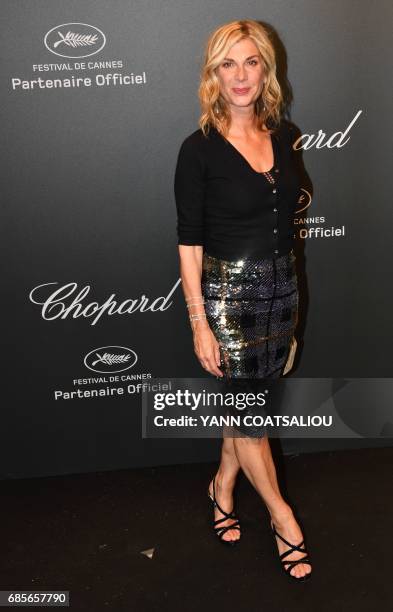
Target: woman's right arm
[(189, 195), (206, 346)]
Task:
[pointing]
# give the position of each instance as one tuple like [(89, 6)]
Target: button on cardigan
[(229, 208)]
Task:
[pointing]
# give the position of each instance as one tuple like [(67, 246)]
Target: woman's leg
[(255, 459), (224, 484)]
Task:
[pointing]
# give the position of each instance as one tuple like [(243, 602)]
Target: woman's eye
[(226, 64)]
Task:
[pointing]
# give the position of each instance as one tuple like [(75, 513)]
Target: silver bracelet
[(195, 304), (194, 297)]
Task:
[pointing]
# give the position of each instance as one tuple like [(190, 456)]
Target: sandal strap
[(221, 530), (227, 514), (286, 541), (224, 518), (292, 564), (233, 526), (293, 548)]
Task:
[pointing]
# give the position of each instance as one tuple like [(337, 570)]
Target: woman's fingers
[(209, 363), (207, 351), (217, 354)]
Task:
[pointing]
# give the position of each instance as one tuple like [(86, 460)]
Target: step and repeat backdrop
[(96, 99)]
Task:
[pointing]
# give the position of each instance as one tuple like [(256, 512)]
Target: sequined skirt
[(251, 306)]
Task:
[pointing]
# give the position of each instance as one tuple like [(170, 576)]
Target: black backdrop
[(87, 187)]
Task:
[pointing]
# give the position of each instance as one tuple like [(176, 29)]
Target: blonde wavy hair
[(215, 111)]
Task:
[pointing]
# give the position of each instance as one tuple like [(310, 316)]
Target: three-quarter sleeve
[(189, 187), (296, 161)]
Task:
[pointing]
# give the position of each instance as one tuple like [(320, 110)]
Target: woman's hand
[(207, 348), (205, 344)]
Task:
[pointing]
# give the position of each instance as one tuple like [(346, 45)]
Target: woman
[(236, 189)]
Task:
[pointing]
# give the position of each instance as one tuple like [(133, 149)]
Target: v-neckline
[(275, 156)]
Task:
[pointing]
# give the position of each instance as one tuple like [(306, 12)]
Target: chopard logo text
[(69, 301)]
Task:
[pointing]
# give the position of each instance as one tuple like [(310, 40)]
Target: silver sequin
[(252, 308)]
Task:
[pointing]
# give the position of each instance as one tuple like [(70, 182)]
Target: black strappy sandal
[(288, 565), (227, 515)]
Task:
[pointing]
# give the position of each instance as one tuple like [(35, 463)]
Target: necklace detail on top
[(269, 177)]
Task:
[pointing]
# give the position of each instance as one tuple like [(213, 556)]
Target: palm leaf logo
[(110, 359), (71, 39)]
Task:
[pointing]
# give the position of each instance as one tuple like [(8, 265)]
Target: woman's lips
[(241, 90)]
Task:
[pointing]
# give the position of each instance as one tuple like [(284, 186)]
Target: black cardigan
[(228, 207)]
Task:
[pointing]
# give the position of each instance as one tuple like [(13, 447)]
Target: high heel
[(227, 515), (288, 565)]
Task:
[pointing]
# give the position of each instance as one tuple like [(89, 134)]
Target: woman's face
[(241, 74)]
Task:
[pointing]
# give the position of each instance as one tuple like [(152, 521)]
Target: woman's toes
[(231, 534), (294, 570), (235, 534), (306, 568), (300, 570), (297, 571)]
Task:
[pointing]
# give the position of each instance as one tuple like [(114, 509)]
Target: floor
[(86, 533)]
